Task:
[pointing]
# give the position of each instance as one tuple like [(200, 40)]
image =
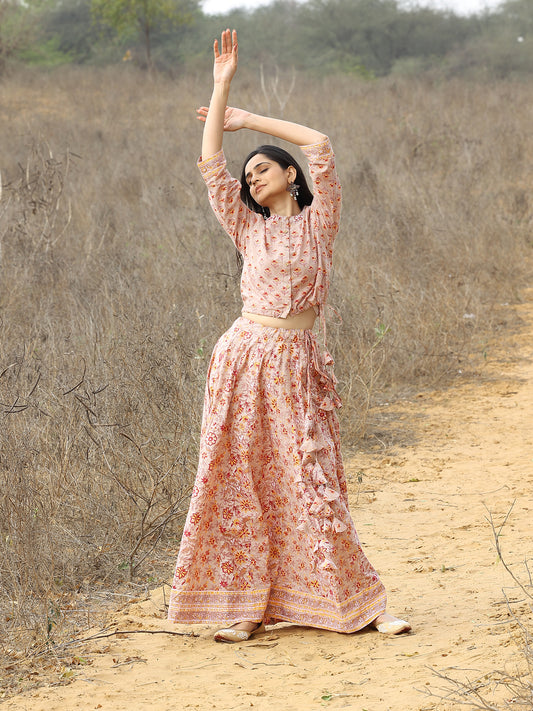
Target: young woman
[(269, 536)]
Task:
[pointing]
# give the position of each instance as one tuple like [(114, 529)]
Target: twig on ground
[(105, 635)]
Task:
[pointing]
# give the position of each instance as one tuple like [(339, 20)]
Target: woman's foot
[(239, 632), (388, 624)]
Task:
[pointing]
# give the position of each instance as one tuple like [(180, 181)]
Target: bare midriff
[(303, 320)]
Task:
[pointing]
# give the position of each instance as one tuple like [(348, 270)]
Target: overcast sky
[(462, 7)]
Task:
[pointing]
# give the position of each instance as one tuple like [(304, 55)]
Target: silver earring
[(292, 188)]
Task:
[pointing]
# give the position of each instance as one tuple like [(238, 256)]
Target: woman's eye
[(259, 172)]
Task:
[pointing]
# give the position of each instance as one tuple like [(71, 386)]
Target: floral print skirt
[(269, 535)]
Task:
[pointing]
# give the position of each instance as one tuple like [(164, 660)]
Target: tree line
[(368, 38)]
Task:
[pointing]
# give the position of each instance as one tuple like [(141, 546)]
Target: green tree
[(18, 25), (352, 35), (369, 37), (143, 17), (69, 25), (519, 14)]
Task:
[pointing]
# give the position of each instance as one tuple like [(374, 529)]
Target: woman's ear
[(291, 174)]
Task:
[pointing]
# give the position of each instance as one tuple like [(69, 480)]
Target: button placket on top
[(289, 260), (279, 244)]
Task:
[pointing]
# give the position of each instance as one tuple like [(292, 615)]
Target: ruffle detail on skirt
[(322, 363), (319, 520)]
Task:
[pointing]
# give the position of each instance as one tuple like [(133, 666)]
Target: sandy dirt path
[(421, 512)]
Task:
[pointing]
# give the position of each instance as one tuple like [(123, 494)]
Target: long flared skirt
[(269, 535)]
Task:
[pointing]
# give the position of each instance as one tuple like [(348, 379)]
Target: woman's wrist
[(252, 122), (222, 85)]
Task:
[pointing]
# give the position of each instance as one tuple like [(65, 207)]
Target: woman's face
[(267, 179)]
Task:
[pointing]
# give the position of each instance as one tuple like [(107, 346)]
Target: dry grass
[(116, 280)]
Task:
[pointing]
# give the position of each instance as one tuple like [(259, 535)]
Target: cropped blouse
[(287, 260)]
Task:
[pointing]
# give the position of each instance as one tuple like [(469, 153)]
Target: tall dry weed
[(116, 281)]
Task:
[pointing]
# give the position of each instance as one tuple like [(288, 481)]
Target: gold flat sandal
[(230, 634)]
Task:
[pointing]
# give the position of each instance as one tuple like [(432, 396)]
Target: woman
[(269, 536)]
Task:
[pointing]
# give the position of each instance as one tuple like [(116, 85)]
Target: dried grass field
[(116, 280), (446, 516)]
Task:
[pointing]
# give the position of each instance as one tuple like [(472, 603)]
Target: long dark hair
[(285, 160)]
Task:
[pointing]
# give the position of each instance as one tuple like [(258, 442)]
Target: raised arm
[(286, 130), (225, 66), (235, 119)]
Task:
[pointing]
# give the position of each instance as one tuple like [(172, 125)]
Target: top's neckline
[(287, 217)]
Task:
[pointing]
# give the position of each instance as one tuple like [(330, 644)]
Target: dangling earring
[(292, 188)]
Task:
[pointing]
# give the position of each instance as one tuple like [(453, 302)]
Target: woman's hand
[(226, 57), (234, 119)]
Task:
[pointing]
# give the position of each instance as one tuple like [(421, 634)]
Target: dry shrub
[(116, 280), (433, 237)]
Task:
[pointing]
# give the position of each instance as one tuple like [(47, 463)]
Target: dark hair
[(284, 159)]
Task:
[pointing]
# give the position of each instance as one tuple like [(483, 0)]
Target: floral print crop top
[(287, 260)]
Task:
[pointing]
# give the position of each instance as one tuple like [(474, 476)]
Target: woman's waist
[(304, 320)]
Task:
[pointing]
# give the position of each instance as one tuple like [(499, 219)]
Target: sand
[(422, 511)]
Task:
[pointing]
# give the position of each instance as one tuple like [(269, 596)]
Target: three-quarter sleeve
[(225, 198), (326, 206)]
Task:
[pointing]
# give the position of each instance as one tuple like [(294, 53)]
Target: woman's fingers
[(226, 42), (226, 57), (202, 113)]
